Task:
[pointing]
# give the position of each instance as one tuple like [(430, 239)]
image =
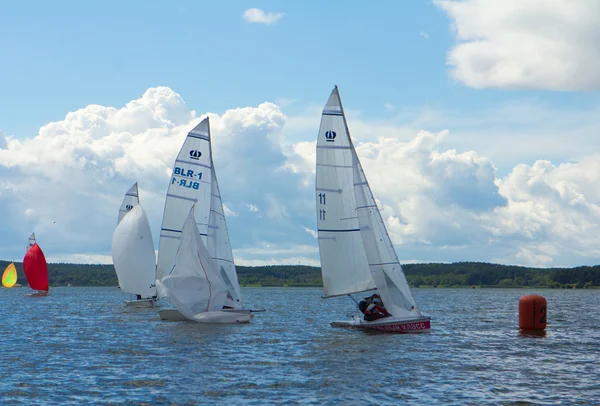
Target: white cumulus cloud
[(533, 44), (258, 16)]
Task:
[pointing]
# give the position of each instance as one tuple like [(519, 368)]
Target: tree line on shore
[(459, 274)]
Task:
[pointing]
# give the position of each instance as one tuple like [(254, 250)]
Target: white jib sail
[(133, 253), (194, 286), (190, 184), (130, 199), (343, 261), (219, 246), (381, 255)]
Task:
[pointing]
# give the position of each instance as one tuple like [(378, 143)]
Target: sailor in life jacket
[(375, 310)]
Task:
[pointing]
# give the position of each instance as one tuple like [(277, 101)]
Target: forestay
[(194, 286), (219, 246), (133, 253), (383, 261), (130, 199), (190, 183), (343, 261)]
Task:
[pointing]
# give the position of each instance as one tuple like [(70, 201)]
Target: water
[(81, 346)]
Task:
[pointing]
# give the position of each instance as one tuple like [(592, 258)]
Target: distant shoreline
[(464, 275)]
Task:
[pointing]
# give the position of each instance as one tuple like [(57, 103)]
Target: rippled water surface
[(80, 345)]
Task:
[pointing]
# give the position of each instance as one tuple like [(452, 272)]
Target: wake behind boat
[(356, 252)]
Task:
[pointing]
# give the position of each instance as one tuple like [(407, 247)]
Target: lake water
[(81, 346)]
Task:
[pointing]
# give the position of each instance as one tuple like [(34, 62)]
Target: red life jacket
[(375, 312)]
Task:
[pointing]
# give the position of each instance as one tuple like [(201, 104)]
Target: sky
[(476, 121)]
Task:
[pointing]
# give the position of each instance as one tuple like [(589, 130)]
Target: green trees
[(459, 274)]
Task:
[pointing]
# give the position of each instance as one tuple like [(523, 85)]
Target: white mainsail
[(130, 199), (133, 253), (343, 261), (219, 246), (355, 248), (190, 183), (30, 242), (194, 285)]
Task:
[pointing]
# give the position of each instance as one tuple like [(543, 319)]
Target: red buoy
[(532, 312)]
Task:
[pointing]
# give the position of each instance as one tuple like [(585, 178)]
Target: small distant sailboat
[(356, 252), (9, 277), (36, 269), (194, 184), (133, 251)]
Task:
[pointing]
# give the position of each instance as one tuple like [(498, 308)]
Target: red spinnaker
[(35, 268)]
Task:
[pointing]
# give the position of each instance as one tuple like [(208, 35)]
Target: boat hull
[(388, 324), (141, 303), (218, 317), (40, 293)]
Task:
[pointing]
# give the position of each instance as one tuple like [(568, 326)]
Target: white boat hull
[(141, 303), (418, 325), (218, 317), (39, 293)]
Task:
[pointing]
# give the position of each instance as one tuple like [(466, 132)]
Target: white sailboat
[(133, 252), (194, 184), (356, 252)]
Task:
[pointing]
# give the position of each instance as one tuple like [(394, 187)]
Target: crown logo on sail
[(195, 154), (330, 135), (129, 207)]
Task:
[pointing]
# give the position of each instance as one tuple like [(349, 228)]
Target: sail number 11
[(322, 201)]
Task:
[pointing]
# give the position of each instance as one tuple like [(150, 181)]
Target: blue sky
[(510, 94)]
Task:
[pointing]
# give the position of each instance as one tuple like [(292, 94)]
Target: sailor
[(139, 297), (376, 310)]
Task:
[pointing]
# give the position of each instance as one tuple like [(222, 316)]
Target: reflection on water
[(80, 345)]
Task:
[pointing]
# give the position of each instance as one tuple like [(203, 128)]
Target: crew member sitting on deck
[(139, 297), (376, 310)]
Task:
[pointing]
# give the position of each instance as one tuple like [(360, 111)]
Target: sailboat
[(36, 269), (9, 277), (194, 184), (133, 252), (355, 249)]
